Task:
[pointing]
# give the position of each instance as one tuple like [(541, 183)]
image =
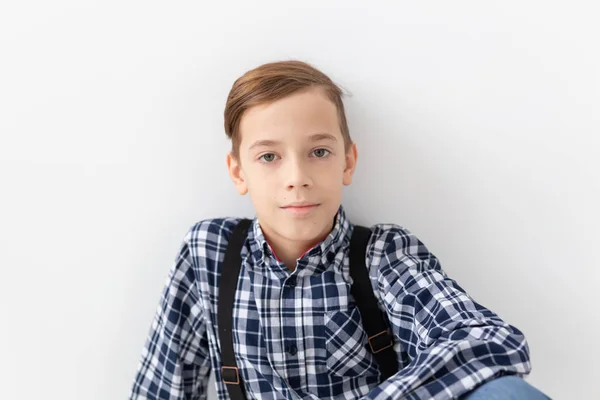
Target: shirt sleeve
[(454, 344), (175, 362)]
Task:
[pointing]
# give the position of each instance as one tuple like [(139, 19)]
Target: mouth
[(300, 209)]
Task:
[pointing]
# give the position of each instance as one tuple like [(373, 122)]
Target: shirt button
[(292, 350), (292, 282)]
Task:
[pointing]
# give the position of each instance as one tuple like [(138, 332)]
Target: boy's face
[(293, 163)]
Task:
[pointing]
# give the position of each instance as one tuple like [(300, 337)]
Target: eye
[(320, 153), (267, 158)]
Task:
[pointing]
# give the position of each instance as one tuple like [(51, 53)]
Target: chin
[(306, 230)]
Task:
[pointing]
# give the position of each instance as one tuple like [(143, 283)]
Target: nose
[(297, 174)]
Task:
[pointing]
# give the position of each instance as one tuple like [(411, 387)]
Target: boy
[(272, 305)]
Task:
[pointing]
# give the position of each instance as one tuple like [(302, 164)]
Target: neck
[(289, 251)]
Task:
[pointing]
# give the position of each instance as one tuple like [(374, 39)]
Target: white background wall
[(477, 125)]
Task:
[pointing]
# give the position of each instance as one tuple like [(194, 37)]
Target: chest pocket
[(347, 344)]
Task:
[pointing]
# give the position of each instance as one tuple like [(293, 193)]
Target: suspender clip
[(379, 343), (230, 375)]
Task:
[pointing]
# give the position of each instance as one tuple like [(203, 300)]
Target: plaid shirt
[(299, 335)]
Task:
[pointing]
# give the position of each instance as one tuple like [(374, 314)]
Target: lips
[(300, 204), (300, 209)]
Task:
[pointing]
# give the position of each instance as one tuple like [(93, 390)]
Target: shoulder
[(211, 233), (388, 238), (208, 240), (396, 252), (213, 228)]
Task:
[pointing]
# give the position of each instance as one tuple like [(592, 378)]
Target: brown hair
[(273, 81)]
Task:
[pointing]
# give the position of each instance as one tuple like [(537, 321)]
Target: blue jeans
[(509, 387)]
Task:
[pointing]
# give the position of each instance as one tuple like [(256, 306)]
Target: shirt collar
[(315, 259)]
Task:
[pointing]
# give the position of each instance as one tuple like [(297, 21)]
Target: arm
[(454, 343), (175, 361)]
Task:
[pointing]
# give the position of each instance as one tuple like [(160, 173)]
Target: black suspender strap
[(380, 337), (230, 271)]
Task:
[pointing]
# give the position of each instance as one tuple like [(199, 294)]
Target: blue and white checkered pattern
[(299, 335)]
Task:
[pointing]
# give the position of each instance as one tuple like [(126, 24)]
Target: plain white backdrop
[(477, 125)]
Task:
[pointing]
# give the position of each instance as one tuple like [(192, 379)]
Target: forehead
[(295, 117)]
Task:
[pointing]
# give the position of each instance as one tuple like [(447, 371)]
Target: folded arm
[(454, 343)]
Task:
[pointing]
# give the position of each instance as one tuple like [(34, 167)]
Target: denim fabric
[(506, 388)]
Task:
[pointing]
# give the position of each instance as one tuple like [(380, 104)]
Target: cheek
[(331, 172), (260, 182)]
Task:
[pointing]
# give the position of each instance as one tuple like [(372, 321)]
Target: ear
[(236, 174), (350, 166)]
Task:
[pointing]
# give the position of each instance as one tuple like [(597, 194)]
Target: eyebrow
[(315, 138), (263, 143), (323, 136)]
